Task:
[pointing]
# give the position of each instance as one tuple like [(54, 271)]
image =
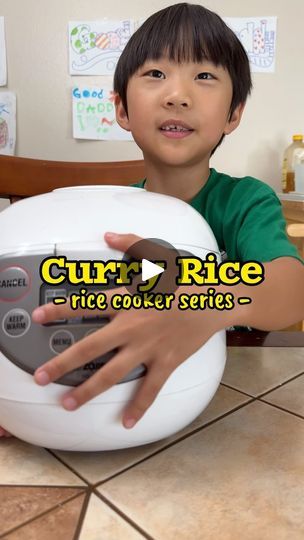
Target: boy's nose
[(177, 98), (185, 103), (177, 101)]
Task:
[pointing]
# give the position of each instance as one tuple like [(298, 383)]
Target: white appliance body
[(72, 221)]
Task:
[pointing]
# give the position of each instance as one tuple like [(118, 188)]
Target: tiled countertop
[(237, 472)]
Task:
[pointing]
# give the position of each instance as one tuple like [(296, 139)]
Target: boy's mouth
[(175, 125), (175, 129)]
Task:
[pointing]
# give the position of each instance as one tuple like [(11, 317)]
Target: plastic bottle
[(289, 159), (299, 172)]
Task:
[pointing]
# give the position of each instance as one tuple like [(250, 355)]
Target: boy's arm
[(277, 302)]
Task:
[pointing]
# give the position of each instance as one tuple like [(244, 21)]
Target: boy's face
[(194, 97)]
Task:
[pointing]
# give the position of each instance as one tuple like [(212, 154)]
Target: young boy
[(182, 83)]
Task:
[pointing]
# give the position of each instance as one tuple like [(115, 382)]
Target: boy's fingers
[(122, 242), (106, 377), (93, 346), (148, 390)]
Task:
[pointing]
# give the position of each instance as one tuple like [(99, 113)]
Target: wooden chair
[(23, 177), (296, 233)]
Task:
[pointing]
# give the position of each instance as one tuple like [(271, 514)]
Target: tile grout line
[(237, 390), (63, 486), (38, 516), (124, 516), (267, 391), (173, 443), (83, 513), (280, 385), (69, 467), (281, 408)]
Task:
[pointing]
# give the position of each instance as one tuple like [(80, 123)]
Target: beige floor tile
[(241, 477), (101, 522), (21, 504), (98, 466), (24, 464), (257, 369), (290, 396), (59, 524)]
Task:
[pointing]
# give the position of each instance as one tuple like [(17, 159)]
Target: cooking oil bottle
[(289, 160)]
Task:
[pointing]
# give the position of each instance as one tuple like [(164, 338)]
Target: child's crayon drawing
[(258, 36), (94, 115), (3, 71), (96, 46), (7, 123)]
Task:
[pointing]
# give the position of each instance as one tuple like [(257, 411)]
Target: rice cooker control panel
[(29, 345)]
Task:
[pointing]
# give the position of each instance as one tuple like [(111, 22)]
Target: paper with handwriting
[(94, 115)]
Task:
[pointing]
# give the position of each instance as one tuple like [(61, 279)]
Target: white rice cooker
[(72, 222)]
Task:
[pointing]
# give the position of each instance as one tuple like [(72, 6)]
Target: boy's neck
[(180, 182)]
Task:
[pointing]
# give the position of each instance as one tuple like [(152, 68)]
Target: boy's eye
[(205, 75), (155, 73)]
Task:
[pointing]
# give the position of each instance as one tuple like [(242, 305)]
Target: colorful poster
[(258, 36), (7, 123), (95, 46), (3, 71), (94, 115)]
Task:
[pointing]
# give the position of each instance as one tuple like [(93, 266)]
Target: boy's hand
[(161, 340)]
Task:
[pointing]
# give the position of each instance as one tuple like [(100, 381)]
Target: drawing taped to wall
[(258, 36), (95, 46), (3, 70), (94, 115), (7, 123)]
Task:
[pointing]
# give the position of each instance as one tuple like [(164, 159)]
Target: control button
[(49, 295), (16, 323), (61, 340), (14, 283)]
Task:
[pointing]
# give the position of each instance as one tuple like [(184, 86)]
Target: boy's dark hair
[(186, 32)]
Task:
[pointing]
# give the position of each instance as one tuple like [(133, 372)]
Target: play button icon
[(150, 270), (159, 268)]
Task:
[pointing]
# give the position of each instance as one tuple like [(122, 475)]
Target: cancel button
[(14, 283)]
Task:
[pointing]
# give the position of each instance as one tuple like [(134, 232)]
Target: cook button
[(61, 340), (14, 283), (16, 323)]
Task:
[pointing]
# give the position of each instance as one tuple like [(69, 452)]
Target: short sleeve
[(259, 228)]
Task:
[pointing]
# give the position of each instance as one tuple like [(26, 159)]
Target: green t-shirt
[(245, 216)]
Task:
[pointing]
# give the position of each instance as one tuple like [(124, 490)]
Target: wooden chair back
[(23, 177)]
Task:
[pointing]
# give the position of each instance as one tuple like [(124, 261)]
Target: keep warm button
[(16, 323), (14, 283), (61, 340)]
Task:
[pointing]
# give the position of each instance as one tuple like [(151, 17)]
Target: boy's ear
[(234, 119), (121, 115)]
